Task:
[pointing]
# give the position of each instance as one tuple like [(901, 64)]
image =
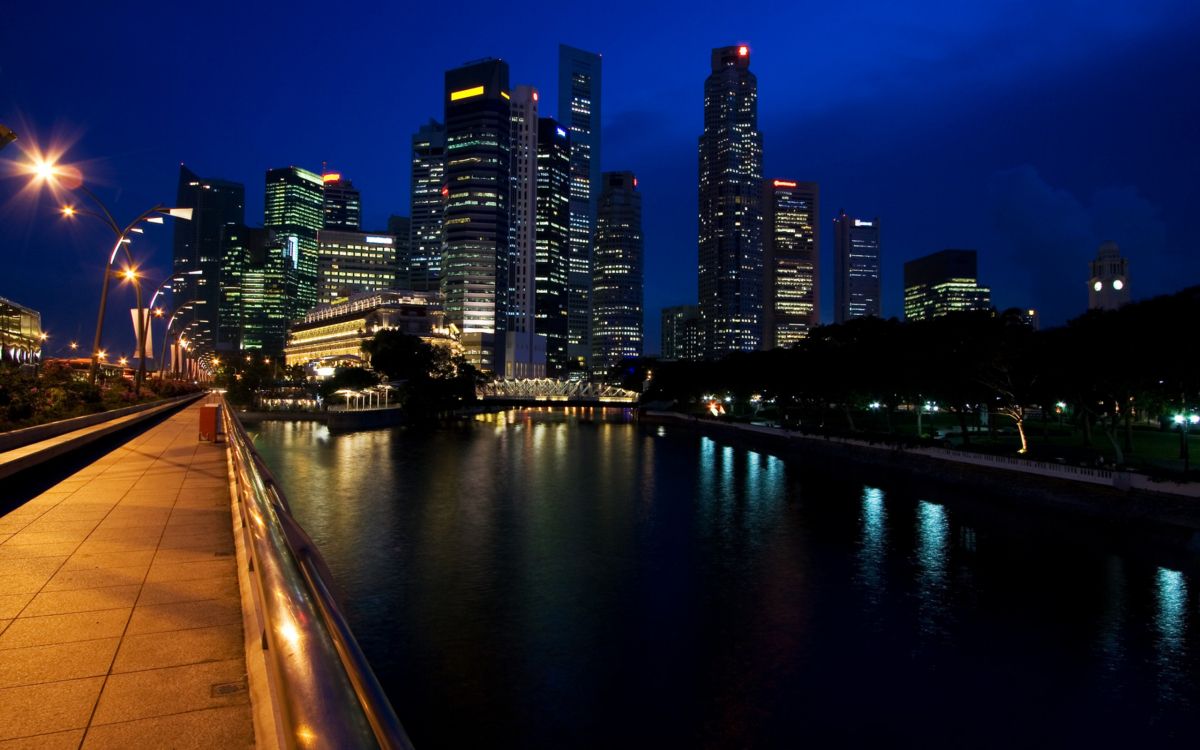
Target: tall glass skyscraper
[(524, 350), (295, 210), (258, 298), (343, 205), (215, 205), (791, 260), (731, 253), (617, 276), (475, 256), (579, 112), (552, 241), (424, 258), (856, 286)]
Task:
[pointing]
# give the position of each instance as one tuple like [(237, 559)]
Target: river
[(571, 579)]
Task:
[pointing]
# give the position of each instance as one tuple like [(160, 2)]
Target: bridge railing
[(323, 690)]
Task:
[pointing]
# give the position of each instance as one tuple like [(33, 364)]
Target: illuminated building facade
[(617, 275), (730, 211), (943, 283), (215, 204), (20, 332), (423, 263), (295, 209), (552, 241), (400, 227), (342, 203), (333, 335), (856, 285), (261, 289), (1108, 286), (791, 261), (353, 262), (682, 335), (579, 78), (524, 349), (475, 253)]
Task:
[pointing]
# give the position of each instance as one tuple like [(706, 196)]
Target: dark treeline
[(1109, 369)]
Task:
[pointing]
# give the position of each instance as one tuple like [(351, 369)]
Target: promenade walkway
[(120, 616)]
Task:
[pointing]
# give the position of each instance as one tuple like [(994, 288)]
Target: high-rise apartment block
[(943, 283), (475, 253), (579, 113), (856, 286), (617, 275), (791, 261), (730, 211)]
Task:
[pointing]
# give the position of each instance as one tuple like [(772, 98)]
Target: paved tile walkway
[(120, 617)]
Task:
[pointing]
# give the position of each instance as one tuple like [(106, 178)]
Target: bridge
[(554, 391)]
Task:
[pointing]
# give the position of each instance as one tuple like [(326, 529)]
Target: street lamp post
[(1184, 420)]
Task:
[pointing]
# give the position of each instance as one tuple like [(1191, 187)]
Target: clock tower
[(1108, 288)]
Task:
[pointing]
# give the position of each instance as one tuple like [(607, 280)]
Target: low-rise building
[(21, 334)]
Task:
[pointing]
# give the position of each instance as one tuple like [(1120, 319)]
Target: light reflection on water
[(529, 575)]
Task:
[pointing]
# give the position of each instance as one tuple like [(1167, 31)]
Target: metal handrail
[(325, 693)]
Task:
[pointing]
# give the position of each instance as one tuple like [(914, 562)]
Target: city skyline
[(1018, 188)]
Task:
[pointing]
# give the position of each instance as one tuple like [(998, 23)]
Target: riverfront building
[(730, 212), (21, 333), (579, 75), (342, 203), (215, 204), (295, 209), (856, 285), (791, 259), (475, 254), (1108, 286), (943, 283), (617, 276), (682, 337), (422, 270), (353, 262), (334, 335), (524, 348), (552, 241)]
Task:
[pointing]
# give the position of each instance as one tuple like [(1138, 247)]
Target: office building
[(343, 205), (1108, 285), (295, 210), (943, 283), (349, 263), (856, 285), (400, 227), (552, 240), (475, 252), (21, 333), (215, 204), (424, 259), (791, 261), (261, 288), (617, 276), (682, 336), (524, 349), (579, 89), (730, 212)]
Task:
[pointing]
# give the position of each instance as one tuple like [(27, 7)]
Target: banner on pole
[(144, 349)]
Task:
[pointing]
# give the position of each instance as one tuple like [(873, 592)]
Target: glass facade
[(352, 262), (579, 82), (552, 243), (791, 259), (422, 269), (295, 209), (730, 212), (265, 294), (856, 286), (943, 283), (617, 276)]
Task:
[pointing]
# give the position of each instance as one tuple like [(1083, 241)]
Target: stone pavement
[(120, 616)]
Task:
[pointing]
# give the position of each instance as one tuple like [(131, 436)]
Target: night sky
[(1028, 130)]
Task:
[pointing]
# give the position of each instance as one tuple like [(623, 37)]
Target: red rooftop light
[(743, 51)]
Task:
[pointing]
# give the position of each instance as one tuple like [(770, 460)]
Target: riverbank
[(1112, 495)]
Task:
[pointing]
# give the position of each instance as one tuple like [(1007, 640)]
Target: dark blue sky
[(1027, 130)]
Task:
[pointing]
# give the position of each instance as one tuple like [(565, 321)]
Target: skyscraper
[(553, 242), (791, 261), (343, 206), (352, 262), (579, 112), (261, 301), (424, 259), (1108, 286), (475, 255), (682, 336), (400, 227), (524, 350), (730, 257), (943, 283), (295, 210), (215, 205), (617, 275), (856, 287)]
